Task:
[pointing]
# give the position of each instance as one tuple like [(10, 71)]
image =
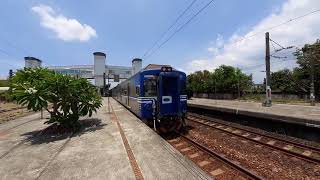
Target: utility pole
[(238, 89), (215, 89), (268, 102), (312, 94)]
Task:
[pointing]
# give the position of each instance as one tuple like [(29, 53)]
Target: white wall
[(136, 66), (99, 69), (32, 63)]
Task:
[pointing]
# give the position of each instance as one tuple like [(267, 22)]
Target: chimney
[(99, 68), (32, 62), (136, 65)]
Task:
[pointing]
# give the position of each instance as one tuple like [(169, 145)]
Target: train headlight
[(166, 69)]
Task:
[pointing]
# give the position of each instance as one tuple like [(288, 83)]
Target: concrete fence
[(229, 96), (215, 96)]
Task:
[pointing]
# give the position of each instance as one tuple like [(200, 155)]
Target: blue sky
[(67, 32)]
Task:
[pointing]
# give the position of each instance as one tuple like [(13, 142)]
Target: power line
[(8, 54), (273, 27), (170, 27), (273, 46), (277, 43), (244, 38), (179, 29), (11, 56), (18, 59), (21, 50), (279, 57), (5, 52), (16, 47), (255, 66)]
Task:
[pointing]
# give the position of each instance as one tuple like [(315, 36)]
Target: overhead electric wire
[(244, 38), (170, 27), (277, 44), (273, 46), (253, 66), (9, 55), (16, 58), (180, 28), (5, 52), (15, 47), (272, 41), (273, 27)]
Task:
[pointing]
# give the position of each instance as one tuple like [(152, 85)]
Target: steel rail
[(260, 134), (222, 158), (290, 153)]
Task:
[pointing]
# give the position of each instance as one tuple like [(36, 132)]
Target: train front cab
[(167, 88)]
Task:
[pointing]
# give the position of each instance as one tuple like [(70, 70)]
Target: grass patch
[(4, 83), (261, 98)]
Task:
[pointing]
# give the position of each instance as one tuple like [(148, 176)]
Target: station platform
[(295, 114), (115, 145)]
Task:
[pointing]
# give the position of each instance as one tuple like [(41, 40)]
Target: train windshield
[(150, 87), (169, 86)]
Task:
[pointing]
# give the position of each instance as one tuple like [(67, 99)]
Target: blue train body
[(157, 96)]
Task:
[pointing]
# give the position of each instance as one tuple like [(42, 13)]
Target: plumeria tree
[(66, 98)]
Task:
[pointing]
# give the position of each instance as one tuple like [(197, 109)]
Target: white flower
[(31, 91)]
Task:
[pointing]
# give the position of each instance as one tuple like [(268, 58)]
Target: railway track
[(291, 148), (234, 168), (12, 109)]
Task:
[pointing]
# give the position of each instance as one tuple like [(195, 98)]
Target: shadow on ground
[(55, 133), (174, 134)]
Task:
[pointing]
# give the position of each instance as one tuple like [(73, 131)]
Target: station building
[(96, 72)]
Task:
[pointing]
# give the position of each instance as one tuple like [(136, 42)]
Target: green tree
[(225, 79), (199, 82), (284, 81), (305, 56), (66, 98)]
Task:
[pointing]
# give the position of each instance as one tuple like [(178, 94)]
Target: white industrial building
[(31, 62), (96, 72)]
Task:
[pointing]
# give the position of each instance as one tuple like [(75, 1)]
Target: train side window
[(150, 87)]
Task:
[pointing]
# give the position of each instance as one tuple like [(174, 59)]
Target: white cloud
[(249, 52), (64, 28), (219, 42)]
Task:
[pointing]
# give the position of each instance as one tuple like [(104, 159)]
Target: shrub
[(66, 98)]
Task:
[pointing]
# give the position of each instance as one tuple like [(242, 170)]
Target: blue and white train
[(157, 96)]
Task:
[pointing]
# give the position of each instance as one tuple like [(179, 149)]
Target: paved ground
[(295, 111), (97, 152)]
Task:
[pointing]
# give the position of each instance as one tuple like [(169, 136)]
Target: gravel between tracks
[(274, 134), (211, 165), (266, 162)]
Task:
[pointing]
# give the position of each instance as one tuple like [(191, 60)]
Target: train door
[(168, 94)]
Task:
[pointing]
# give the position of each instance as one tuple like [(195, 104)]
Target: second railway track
[(220, 165), (299, 150)]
